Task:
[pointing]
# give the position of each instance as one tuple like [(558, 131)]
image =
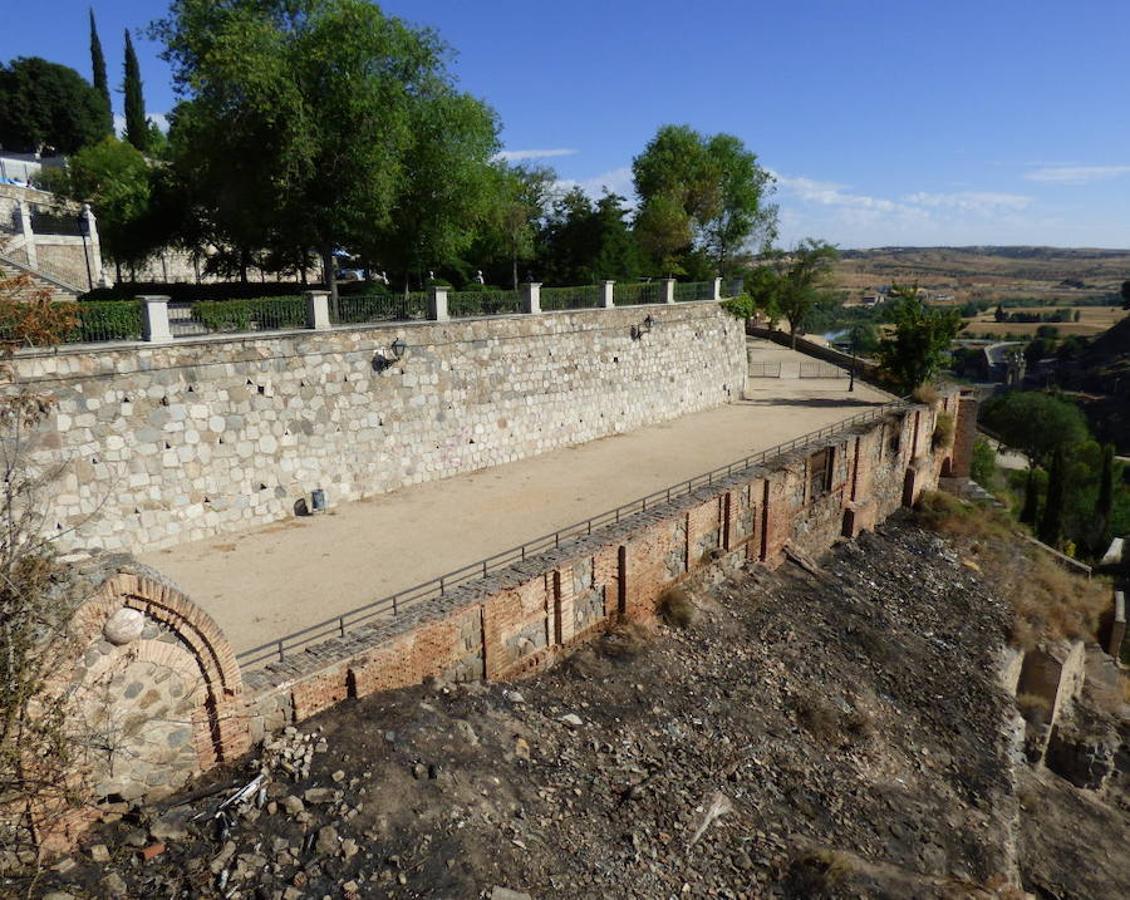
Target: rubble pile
[(837, 728)]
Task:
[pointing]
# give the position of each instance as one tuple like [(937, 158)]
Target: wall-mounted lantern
[(384, 361), (644, 327)]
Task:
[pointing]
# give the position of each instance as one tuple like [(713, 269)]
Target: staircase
[(38, 282)]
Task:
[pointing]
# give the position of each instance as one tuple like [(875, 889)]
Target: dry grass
[(1034, 708), (1049, 602), (624, 641), (925, 393), (943, 431), (820, 870), (676, 608)]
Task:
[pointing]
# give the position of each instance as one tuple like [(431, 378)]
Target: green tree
[(804, 282), (137, 127), (700, 193), (1125, 294), (447, 188), (310, 108), (98, 71), (763, 284), (1034, 423), (114, 179), (1104, 503), (1030, 512), (522, 197), (1051, 523), (921, 340), (47, 107)]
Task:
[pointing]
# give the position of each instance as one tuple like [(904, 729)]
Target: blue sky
[(885, 121)]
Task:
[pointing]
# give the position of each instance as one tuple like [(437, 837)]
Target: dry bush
[(1034, 708), (818, 871), (624, 641), (676, 608), (926, 394), (943, 431), (1049, 602), (819, 717)]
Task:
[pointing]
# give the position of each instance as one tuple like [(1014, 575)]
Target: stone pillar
[(155, 320), (437, 303), (964, 436), (606, 294), (29, 235), (667, 290), (530, 293), (95, 248), (717, 289), (318, 310)]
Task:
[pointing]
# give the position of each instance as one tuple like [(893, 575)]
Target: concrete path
[(278, 578)]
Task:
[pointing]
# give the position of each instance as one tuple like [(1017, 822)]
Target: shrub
[(983, 466), (925, 393), (741, 307), (676, 608), (262, 314), (943, 431), (107, 321)]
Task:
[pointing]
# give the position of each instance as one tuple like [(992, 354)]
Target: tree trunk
[(329, 276), (515, 261), (242, 265), (792, 334)]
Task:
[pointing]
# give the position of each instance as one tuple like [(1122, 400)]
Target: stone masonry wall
[(170, 443)]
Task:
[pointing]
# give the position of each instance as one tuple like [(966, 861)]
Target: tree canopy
[(920, 344), (1035, 423), (46, 106), (137, 127), (793, 284), (699, 193), (115, 179), (322, 105)]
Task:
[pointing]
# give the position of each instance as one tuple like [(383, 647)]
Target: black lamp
[(398, 347)]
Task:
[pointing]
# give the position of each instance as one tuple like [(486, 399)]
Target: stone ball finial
[(124, 626)]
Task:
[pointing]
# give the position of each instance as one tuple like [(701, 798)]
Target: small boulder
[(124, 626)]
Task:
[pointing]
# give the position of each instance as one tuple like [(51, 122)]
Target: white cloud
[(1076, 174), (518, 155), (828, 193), (983, 202), (618, 181)]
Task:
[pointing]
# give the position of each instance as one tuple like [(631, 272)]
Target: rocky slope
[(818, 731)]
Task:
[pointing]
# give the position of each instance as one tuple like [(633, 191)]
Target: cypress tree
[(98, 69), (137, 129), (1030, 513), (1051, 525), (1105, 502)]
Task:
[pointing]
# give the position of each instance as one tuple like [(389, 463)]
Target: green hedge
[(261, 314), (111, 320)]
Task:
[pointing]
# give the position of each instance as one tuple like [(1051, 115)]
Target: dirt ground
[(811, 734)]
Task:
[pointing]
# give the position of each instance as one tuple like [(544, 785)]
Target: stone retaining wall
[(171, 443)]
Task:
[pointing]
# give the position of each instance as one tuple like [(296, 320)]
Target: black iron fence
[(387, 608)]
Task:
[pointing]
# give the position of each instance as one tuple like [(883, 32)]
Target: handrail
[(337, 626)]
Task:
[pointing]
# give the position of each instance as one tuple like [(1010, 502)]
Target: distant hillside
[(989, 273)]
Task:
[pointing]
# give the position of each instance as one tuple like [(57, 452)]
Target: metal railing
[(388, 608), (765, 370), (111, 320), (635, 294), (687, 291), (821, 370), (464, 304), (583, 297), (365, 308)]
